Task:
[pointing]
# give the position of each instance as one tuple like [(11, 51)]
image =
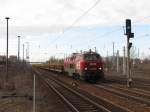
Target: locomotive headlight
[(100, 68), (85, 68)]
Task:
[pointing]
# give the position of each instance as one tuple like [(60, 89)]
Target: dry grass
[(18, 89)]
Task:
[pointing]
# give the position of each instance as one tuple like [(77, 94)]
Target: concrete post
[(118, 61), (124, 61)]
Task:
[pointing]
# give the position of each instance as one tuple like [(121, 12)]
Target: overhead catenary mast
[(27, 51), (7, 18), (18, 48), (124, 61)]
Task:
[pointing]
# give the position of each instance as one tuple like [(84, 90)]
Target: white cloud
[(39, 19), (65, 12)]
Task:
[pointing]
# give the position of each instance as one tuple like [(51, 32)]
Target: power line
[(77, 20), (59, 16), (84, 14), (139, 37), (146, 17), (110, 32), (107, 33), (103, 35)]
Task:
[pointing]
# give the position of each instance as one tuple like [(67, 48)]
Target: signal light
[(131, 35), (128, 26), (100, 68), (130, 45)]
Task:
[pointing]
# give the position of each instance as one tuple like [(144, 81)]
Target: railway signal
[(128, 26), (129, 45)]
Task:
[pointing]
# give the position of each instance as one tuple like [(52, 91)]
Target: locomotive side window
[(90, 57)]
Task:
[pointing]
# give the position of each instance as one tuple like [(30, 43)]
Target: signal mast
[(129, 45)]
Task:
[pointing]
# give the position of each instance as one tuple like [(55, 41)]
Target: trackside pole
[(118, 61), (7, 18), (124, 61), (34, 93)]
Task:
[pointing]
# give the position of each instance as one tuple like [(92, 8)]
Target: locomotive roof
[(82, 53), (74, 55), (89, 52)]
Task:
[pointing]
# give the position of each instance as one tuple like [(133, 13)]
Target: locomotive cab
[(91, 66), (85, 66)]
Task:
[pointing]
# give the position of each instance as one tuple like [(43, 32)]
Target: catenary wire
[(77, 20)]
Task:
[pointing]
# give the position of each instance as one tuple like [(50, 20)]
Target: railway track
[(131, 91), (142, 86), (137, 83), (77, 101), (127, 93), (7, 105), (142, 91)]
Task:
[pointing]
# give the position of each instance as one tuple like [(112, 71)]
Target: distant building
[(13, 58), (2, 58)]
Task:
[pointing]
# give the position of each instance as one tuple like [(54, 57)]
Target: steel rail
[(129, 90), (85, 99), (124, 95), (107, 103), (57, 92)]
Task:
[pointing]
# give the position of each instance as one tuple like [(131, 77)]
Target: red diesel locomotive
[(86, 66)]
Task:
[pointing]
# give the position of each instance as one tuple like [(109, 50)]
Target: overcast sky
[(91, 23)]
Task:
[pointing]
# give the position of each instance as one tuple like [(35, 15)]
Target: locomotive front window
[(90, 57)]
